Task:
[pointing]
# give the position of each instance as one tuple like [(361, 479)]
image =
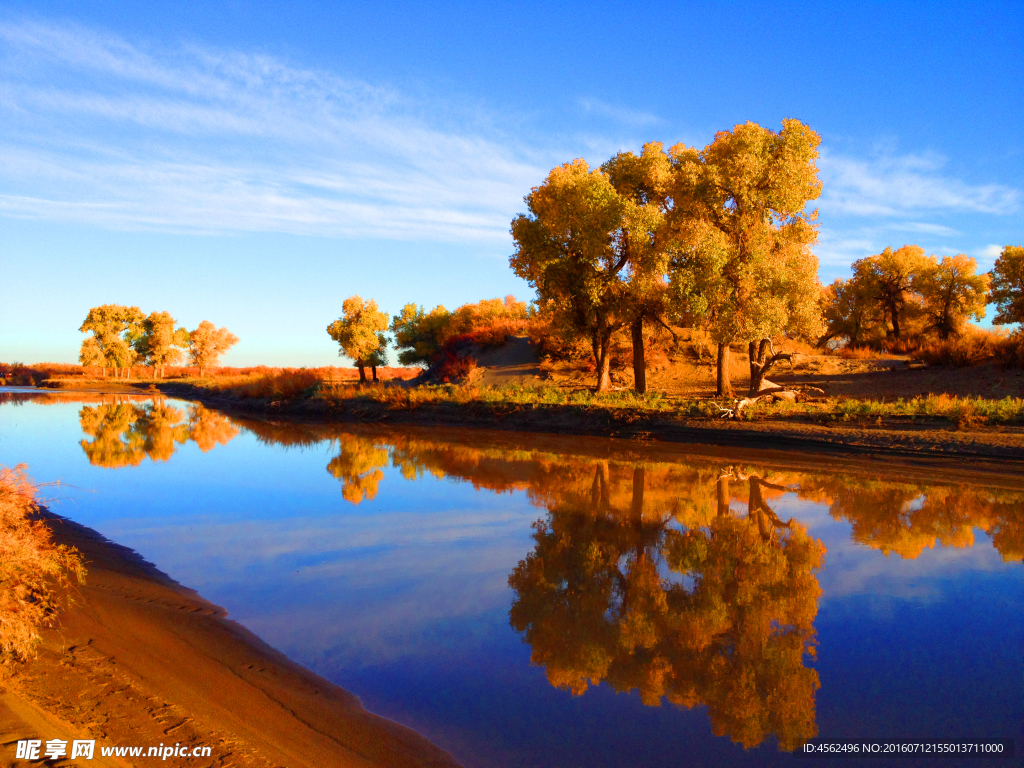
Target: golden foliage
[(33, 570)]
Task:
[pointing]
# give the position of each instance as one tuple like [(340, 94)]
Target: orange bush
[(33, 570)]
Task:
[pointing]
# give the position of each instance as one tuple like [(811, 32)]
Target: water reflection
[(680, 582), (125, 433), (686, 581), (693, 608)]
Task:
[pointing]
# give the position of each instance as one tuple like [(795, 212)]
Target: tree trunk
[(639, 363), (362, 372), (637, 506), (723, 495), (895, 314), (756, 368), (724, 383), (600, 346), (374, 369), (604, 375)]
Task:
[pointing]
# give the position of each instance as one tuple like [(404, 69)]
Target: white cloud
[(989, 253), (200, 140), (901, 185), (623, 115)]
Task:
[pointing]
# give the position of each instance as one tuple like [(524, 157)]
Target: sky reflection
[(389, 561)]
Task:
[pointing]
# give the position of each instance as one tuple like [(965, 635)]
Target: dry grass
[(33, 570), (964, 412), (863, 353), (967, 350)]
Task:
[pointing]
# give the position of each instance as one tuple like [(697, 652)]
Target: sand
[(139, 660)]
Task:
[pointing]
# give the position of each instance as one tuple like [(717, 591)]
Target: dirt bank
[(139, 660)]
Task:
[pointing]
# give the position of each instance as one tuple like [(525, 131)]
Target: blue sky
[(254, 164)]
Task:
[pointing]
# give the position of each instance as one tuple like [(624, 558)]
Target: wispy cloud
[(623, 115), (195, 139), (903, 185)]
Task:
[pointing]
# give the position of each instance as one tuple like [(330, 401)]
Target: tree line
[(903, 290), (720, 239), (123, 337)]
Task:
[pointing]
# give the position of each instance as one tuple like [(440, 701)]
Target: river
[(527, 600)]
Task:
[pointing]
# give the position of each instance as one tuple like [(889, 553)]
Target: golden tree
[(207, 343), (643, 181), (743, 265), (419, 334), (952, 291), (1008, 286), (159, 344), (849, 312), (114, 329), (360, 333), (572, 248), (888, 278)]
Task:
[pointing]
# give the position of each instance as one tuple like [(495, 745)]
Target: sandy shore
[(139, 660)]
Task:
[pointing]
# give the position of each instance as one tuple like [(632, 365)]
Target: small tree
[(889, 279), (114, 329), (359, 331), (1008, 286), (207, 343), (419, 334), (160, 344), (952, 291)]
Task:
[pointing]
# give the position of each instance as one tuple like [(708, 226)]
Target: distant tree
[(159, 343), (571, 248), (114, 329), (888, 278), (848, 311), (743, 267), (359, 331), (952, 291), (1008, 286), (207, 343), (644, 182), (419, 334)]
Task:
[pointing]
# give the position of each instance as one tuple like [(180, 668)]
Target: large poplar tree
[(160, 344), (742, 266), (572, 247), (643, 181), (114, 330)]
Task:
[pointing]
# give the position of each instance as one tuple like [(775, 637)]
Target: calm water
[(538, 601)]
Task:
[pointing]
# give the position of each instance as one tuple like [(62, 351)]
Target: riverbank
[(139, 660), (850, 430)]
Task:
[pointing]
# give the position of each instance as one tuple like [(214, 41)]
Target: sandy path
[(139, 660)]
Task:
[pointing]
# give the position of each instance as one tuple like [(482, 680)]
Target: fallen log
[(776, 393)]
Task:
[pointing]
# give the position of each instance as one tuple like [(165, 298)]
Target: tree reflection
[(905, 518), (125, 433), (358, 465), (208, 429), (717, 611)]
